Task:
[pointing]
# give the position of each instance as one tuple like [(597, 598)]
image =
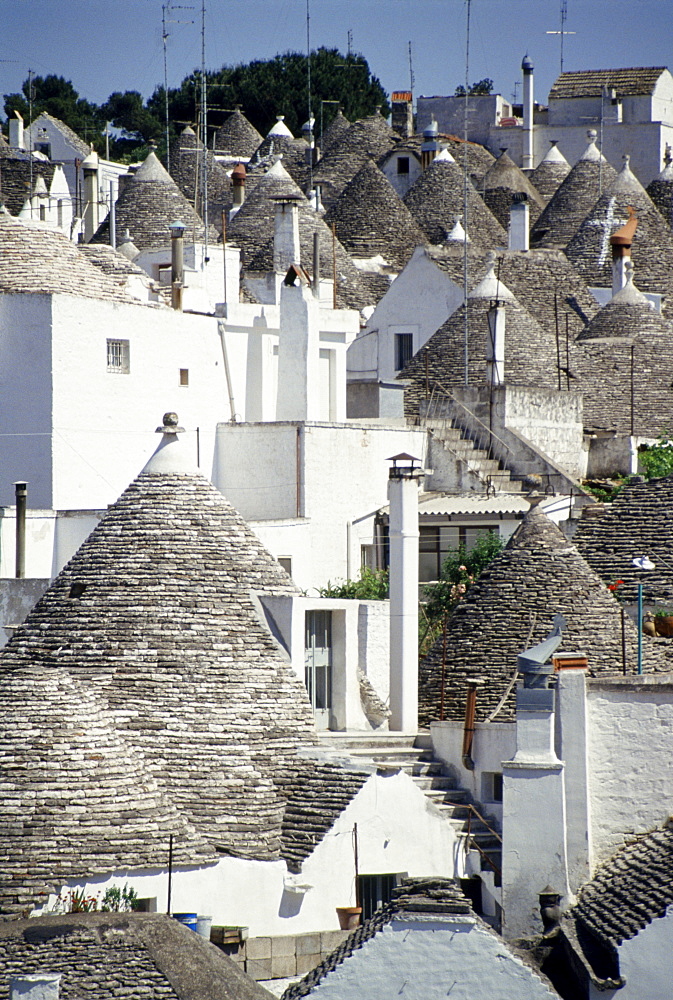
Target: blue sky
[(107, 45)]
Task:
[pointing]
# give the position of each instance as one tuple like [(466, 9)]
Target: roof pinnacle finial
[(170, 424)]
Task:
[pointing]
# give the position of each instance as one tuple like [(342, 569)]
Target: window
[(404, 349), (184, 376), (44, 148), (491, 786), (403, 164), (368, 556), (436, 541), (118, 356), (43, 213), (374, 891), (286, 563)]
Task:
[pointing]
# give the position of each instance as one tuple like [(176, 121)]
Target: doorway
[(318, 665)]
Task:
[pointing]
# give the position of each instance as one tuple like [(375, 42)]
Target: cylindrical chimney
[(113, 216), (238, 175), (316, 265), (177, 263), (90, 171), (403, 498), (21, 494), (527, 157)]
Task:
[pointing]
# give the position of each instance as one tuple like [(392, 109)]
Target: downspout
[(21, 493), (227, 372), (468, 728)]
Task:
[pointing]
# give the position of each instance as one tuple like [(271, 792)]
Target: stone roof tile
[(237, 136), (632, 82), (503, 180), (550, 172), (367, 138), (15, 180)]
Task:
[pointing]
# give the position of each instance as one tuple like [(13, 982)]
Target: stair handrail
[(471, 843), (439, 390)]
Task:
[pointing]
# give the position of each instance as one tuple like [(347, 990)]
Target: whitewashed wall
[(645, 963), (630, 730), (399, 830)]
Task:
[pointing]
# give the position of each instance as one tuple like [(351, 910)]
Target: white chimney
[(299, 382), (286, 250), (16, 140), (403, 535), (519, 222), (91, 195), (40, 986), (527, 157), (620, 244), (495, 345)]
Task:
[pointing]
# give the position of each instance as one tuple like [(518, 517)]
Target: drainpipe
[(21, 493), (468, 728), (316, 265), (403, 499), (113, 216)]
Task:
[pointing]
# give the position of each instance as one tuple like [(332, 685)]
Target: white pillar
[(91, 195), (403, 533), (519, 226), (572, 733), (286, 249), (495, 345), (527, 158), (534, 820), (299, 385)]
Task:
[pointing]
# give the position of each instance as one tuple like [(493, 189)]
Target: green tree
[(56, 96), (484, 86), (657, 459)]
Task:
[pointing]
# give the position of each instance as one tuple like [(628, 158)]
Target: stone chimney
[(16, 139), (620, 243), (286, 249), (238, 175), (527, 157), (519, 222), (91, 195), (402, 118), (403, 533)]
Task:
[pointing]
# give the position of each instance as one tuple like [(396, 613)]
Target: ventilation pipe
[(39, 986), (177, 263), (403, 500), (316, 265), (286, 250), (238, 176), (21, 495), (113, 216), (495, 345), (468, 727), (527, 157)]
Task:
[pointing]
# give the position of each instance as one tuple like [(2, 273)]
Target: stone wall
[(284, 956)]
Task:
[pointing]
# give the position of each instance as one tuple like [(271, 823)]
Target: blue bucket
[(188, 919)]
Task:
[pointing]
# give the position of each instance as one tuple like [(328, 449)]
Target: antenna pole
[(32, 144), (411, 72), (204, 130), (466, 348), (164, 35), (308, 87)]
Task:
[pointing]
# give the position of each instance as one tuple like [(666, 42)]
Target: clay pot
[(663, 625), (349, 917)]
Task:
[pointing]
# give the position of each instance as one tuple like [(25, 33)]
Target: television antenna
[(562, 32), (166, 11), (412, 79)]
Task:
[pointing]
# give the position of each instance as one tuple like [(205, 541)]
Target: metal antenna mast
[(204, 130), (412, 79), (165, 34), (466, 348), (562, 32), (32, 144), (308, 88)]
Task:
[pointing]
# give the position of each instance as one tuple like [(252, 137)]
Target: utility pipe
[(21, 493), (468, 729)]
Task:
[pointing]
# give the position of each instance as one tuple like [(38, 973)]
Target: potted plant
[(663, 620), (349, 916)]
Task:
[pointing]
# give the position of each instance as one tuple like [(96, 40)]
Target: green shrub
[(657, 459), (372, 585)]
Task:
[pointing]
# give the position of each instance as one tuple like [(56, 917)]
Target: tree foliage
[(657, 459), (372, 585), (484, 86), (262, 88)]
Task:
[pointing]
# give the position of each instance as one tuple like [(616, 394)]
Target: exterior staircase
[(413, 754), (476, 459)]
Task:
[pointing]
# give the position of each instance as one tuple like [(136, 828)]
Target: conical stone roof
[(660, 191), (573, 200), (652, 249), (627, 344), (371, 219), (148, 204), (333, 133), (237, 136), (367, 138), (44, 261), (187, 172), (638, 523), (550, 172), (279, 142), (503, 180), (155, 613), (253, 226), (510, 608), (530, 350), (78, 801), (437, 197)]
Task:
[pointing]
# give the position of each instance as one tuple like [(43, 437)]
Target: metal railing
[(471, 843)]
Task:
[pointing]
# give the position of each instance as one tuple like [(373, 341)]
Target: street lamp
[(644, 564)]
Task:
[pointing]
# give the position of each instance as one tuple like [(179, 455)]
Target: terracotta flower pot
[(349, 917), (663, 625)]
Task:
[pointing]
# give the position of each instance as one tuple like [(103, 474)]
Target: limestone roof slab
[(550, 173), (237, 136), (367, 138), (15, 180), (631, 82)]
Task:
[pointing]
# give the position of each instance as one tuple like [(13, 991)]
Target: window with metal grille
[(404, 349), (118, 356), (374, 891)]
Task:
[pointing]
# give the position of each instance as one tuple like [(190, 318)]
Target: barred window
[(118, 356)]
